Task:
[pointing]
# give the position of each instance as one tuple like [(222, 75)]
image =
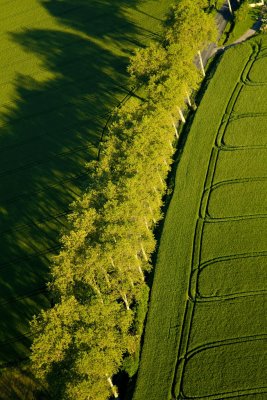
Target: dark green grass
[(237, 199), (243, 24), (246, 131), (206, 329), (246, 163), (232, 379), (222, 277), (232, 237), (217, 314), (19, 383), (170, 287), (252, 99), (62, 72), (259, 71)]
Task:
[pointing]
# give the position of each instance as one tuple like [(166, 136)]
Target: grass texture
[(206, 330), (242, 25), (62, 72)]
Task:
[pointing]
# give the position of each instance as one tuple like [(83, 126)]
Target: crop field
[(206, 334), (62, 72)]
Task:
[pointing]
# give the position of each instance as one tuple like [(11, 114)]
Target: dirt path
[(248, 33), (222, 18)]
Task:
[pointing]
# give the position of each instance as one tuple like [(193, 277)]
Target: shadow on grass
[(18, 383), (46, 137)]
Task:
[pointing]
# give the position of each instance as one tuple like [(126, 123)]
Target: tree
[(81, 349), (98, 280), (151, 60)]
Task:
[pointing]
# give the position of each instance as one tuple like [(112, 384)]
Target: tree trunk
[(141, 272), (157, 195), (161, 180), (175, 130), (124, 298), (153, 219), (171, 146), (112, 263), (181, 115), (188, 99), (143, 252), (113, 388), (230, 7), (147, 227), (98, 292), (201, 63), (139, 268), (106, 276)]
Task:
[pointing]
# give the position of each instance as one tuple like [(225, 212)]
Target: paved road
[(223, 16), (249, 33)]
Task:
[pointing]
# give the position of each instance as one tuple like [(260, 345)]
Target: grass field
[(206, 331), (62, 71), (243, 24)]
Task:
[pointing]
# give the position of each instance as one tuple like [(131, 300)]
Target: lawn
[(243, 23), (62, 72), (206, 329)]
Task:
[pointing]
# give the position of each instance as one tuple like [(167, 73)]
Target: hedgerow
[(98, 280)]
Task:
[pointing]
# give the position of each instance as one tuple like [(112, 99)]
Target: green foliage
[(148, 62), (244, 19), (131, 362), (191, 26), (80, 346), (104, 257), (242, 12), (62, 72), (98, 278), (19, 383), (205, 329), (167, 68)]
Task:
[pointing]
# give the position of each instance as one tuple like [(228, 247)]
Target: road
[(223, 16)]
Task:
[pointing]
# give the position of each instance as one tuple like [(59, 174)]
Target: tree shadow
[(102, 18), (19, 383), (46, 137)]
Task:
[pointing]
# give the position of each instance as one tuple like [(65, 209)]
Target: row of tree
[(98, 279)]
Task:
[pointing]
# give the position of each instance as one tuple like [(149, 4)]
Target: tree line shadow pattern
[(181, 387), (69, 77)]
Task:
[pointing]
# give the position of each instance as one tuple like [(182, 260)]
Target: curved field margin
[(206, 334), (62, 72)]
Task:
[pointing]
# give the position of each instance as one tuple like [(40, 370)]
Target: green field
[(206, 331), (243, 22), (62, 71)]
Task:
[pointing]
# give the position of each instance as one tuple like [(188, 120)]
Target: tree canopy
[(98, 278)]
